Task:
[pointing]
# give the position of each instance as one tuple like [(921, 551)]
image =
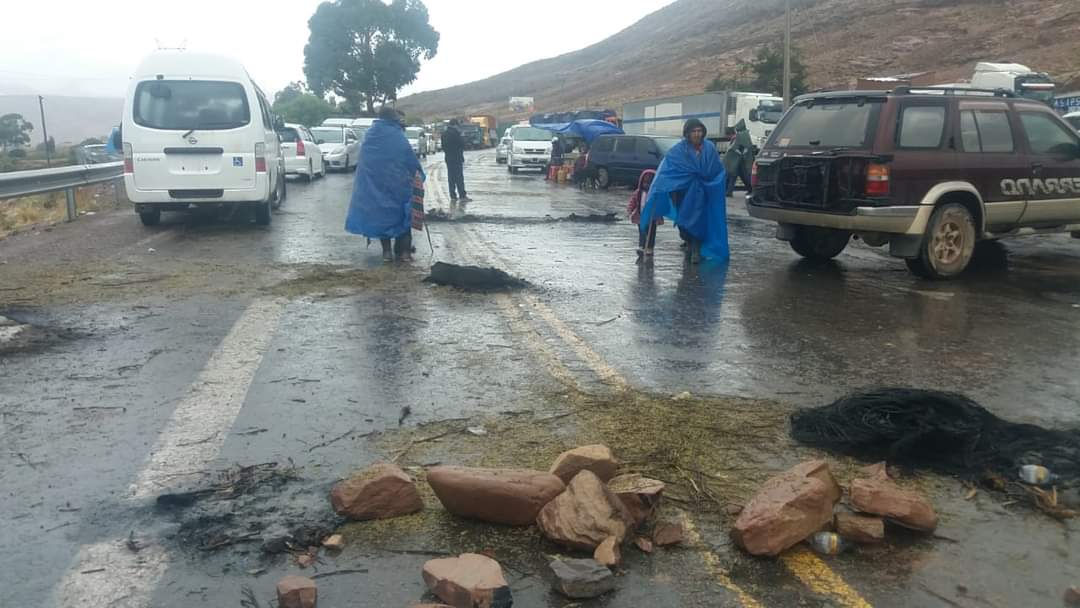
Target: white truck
[(719, 111), (1014, 77)]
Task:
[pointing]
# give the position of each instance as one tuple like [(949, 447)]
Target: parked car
[(1073, 118), (302, 155), (928, 172), (338, 122), (529, 147), (198, 132), (340, 146), (620, 159), (502, 151)]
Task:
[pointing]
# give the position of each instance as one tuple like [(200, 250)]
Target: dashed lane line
[(820, 578), (187, 445)]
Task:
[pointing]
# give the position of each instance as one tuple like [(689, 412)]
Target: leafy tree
[(14, 131), (365, 51), (306, 109), (290, 92), (765, 73)]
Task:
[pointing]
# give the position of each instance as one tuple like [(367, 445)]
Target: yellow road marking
[(712, 563), (820, 578)]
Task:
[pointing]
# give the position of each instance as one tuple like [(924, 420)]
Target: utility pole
[(787, 54), (44, 131)]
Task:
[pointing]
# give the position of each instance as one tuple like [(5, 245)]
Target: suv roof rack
[(907, 90)]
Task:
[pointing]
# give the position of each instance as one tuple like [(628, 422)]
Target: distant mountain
[(682, 47), (70, 119)]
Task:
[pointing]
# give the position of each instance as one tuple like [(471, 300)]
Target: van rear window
[(182, 105), (832, 123)]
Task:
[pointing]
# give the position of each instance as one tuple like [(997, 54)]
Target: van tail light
[(300, 150), (753, 176), (877, 180), (260, 158), (129, 160)]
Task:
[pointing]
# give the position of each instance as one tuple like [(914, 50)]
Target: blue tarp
[(585, 129), (703, 211), (383, 186)]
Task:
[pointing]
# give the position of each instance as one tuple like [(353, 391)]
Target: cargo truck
[(719, 111), (487, 125), (1016, 78)]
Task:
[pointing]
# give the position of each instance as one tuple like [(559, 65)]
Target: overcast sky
[(90, 47)]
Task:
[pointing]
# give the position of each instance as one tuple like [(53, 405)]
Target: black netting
[(941, 431)]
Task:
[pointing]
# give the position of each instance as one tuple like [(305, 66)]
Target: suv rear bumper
[(905, 219)]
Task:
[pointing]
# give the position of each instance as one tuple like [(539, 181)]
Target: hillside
[(681, 48), (70, 119)]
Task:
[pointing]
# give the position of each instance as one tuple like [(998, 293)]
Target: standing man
[(454, 149), (739, 158)]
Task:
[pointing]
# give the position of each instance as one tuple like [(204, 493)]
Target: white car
[(337, 122), (197, 132), (502, 151), (303, 156), (529, 148), (1073, 118), (340, 146)]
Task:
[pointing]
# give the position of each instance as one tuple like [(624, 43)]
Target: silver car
[(502, 151), (340, 147)]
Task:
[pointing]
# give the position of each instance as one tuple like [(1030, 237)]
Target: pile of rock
[(580, 503), (794, 505)]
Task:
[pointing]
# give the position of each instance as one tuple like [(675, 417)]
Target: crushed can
[(827, 543), (1036, 475)]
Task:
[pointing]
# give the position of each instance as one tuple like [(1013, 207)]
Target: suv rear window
[(180, 105), (828, 123), (985, 131), (604, 144), (288, 136), (625, 145), (922, 126)]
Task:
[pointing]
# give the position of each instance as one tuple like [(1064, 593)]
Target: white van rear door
[(194, 135)]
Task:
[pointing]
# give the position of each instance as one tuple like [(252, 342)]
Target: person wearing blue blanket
[(381, 205), (691, 188)]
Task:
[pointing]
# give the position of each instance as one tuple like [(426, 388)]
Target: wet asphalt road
[(124, 397)]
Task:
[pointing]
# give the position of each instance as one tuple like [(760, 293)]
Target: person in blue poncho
[(690, 188), (383, 189)]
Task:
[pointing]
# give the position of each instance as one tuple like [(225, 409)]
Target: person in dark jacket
[(454, 150), (739, 159)]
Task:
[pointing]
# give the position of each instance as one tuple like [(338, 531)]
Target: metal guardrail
[(42, 181)]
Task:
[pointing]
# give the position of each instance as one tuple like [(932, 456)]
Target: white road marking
[(190, 441)]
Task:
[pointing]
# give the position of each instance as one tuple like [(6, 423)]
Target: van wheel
[(150, 217), (820, 244), (948, 245), (603, 178), (279, 194)]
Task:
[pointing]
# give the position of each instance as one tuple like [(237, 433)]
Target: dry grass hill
[(679, 49)]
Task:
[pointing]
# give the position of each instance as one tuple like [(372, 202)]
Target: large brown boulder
[(379, 492), (595, 458), (297, 592), (788, 508), (640, 495), (880, 496), (860, 528), (503, 496), (585, 514), (468, 581)]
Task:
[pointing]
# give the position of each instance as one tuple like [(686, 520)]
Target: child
[(646, 238)]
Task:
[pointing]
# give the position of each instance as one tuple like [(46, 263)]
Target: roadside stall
[(577, 134)]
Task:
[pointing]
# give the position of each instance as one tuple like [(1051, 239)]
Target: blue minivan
[(620, 159)]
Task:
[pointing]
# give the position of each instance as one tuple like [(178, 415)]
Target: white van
[(198, 132)]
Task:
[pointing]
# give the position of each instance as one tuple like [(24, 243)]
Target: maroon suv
[(927, 171)]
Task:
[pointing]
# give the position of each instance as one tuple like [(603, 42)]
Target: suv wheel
[(150, 217), (279, 193), (948, 245), (603, 178), (819, 244)]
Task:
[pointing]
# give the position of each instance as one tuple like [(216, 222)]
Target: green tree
[(290, 92), (765, 73), (365, 51), (307, 109), (14, 131)]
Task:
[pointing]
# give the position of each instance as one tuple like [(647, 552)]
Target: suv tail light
[(753, 175), (129, 160), (877, 180), (260, 158), (300, 150)]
